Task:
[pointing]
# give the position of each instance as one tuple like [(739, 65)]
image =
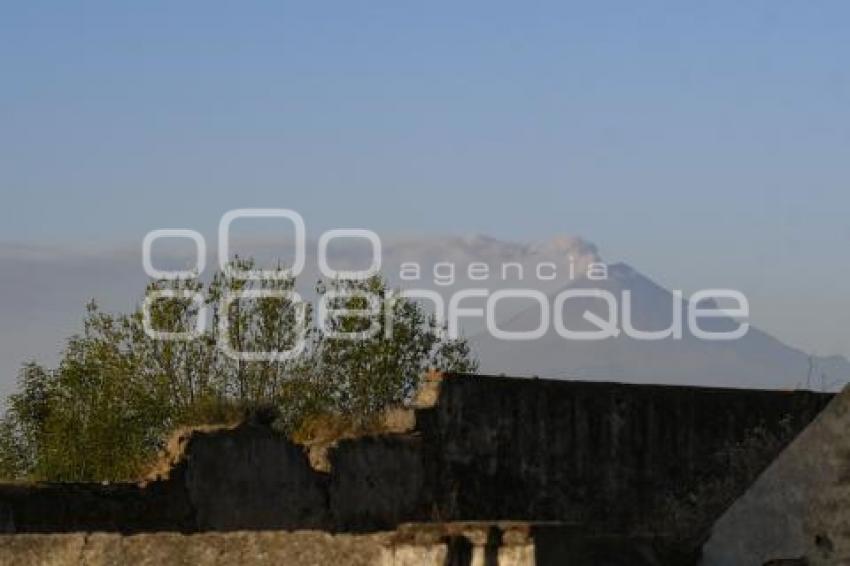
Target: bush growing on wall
[(104, 411)]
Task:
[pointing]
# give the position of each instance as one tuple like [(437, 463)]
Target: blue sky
[(705, 144)]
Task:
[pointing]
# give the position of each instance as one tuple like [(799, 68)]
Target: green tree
[(384, 369), (105, 410)]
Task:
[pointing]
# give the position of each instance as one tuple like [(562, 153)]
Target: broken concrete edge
[(392, 421), (428, 393), (174, 451)]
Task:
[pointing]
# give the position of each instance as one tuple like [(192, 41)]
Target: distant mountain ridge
[(48, 286), (756, 360)]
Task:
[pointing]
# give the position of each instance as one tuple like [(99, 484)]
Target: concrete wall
[(826, 524), (794, 508), (479, 448), (433, 544), (256, 548), (252, 479), (600, 454)]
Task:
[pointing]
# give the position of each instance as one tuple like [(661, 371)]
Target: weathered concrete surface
[(386, 486), (252, 479), (231, 479), (598, 454), (768, 521), (827, 520), (433, 544), (475, 448), (70, 507), (224, 549)]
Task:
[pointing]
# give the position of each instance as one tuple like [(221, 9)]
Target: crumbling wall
[(473, 448), (252, 478)]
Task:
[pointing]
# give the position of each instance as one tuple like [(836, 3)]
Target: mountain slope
[(756, 360)]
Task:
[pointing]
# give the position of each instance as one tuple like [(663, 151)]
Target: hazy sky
[(704, 144)]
